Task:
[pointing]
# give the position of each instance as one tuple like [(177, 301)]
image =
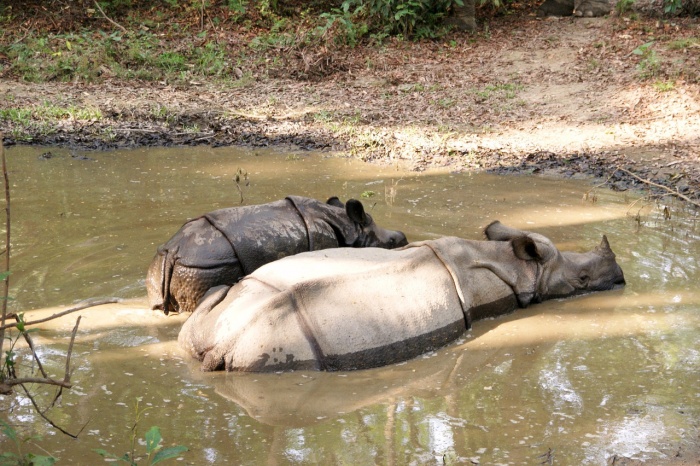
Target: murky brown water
[(580, 380)]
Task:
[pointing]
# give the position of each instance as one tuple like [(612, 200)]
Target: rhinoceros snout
[(399, 241), (619, 281)]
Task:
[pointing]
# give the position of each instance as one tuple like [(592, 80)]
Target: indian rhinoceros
[(221, 247), (344, 309)]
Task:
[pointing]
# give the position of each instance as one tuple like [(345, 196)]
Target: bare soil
[(531, 95)]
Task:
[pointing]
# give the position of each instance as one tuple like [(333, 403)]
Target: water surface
[(577, 381)]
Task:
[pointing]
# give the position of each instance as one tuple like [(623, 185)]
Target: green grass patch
[(25, 116), (664, 86), (683, 44), (90, 56), (498, 91)]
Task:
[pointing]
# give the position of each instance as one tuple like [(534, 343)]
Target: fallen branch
[(41, 413), (65, 383), (5, 288), (587, 194), (660, 186), (46, 381), (77, 308), (8, 375), (66, 377), (109, 19), (30, 342)]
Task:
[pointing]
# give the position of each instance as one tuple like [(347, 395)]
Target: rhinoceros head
[(561, 274), (365, 232)]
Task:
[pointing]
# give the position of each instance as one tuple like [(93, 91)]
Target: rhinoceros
[(344, 309), (221, 247)]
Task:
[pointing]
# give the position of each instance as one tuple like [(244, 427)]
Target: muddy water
[(575, 381)]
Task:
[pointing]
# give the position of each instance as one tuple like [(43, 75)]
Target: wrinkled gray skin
[(221, 247), (344, 309)]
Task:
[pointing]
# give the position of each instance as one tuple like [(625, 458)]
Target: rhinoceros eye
[(583, 278)]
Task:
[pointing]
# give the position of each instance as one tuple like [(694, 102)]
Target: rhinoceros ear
[(496, 231), (334, 201), (525, 248), (356, 211)]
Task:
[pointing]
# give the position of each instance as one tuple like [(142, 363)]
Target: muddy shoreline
[(613, 168), (559, 97)]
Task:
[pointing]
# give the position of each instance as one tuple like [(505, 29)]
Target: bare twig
[(46, 381), (79, 307), (241, 175), (660, 186), (68, 373), (66, 378), (7, 381), (587, 194), (109, 19), (30, 342), (29, 29), (46, 418), (4, 290)]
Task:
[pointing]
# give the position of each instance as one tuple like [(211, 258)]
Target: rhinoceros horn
[(604, 248)]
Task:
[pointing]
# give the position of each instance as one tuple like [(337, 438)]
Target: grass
[(323, 116), (90, 56), (683, 44), (498, 91), (46, 111), (664, 86), (22, 122)]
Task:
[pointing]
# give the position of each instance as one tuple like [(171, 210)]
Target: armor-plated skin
[(344, 309), (221, 247)]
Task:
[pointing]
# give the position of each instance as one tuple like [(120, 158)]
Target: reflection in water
[(556, 385), (580, 380)]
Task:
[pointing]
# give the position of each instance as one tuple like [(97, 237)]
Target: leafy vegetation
[(649, 65), (18, 457), (125, 39), (155, 452)]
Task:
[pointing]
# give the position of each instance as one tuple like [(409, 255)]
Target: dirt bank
[(574, 97)]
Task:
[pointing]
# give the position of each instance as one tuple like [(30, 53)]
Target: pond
[(575, 381)]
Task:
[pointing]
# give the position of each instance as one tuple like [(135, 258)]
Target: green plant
[(343, 25), (623, 6), (683, 44), (155, 453), (21, 459), (237, 6), (367, 194), (503, 90), (323, 116), (664, 86), (446, 102), (673, 6), (649, 65), (171, 61), (8, 364), (407, 18)]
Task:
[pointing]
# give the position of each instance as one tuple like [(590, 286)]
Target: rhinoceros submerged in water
[(221, 247), (344, 309)]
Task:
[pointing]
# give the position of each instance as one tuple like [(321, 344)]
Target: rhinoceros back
[(224, 245), (336, 309), (265, 233)]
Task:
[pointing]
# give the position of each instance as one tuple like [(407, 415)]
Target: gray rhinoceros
[(344, 309), (221, 247)]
